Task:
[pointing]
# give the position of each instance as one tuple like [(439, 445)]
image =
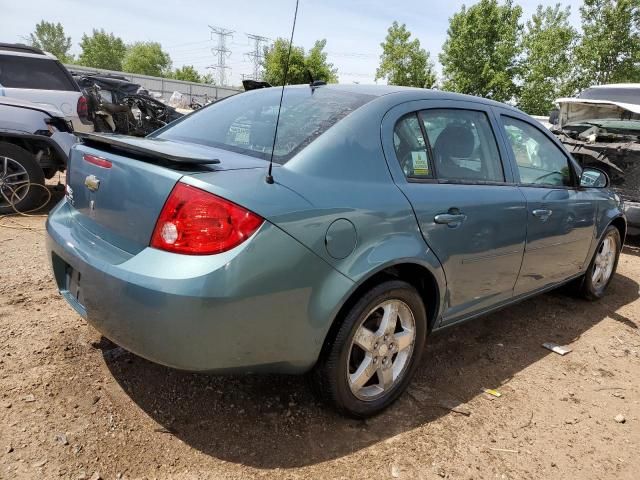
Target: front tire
[(375, 352), (603, 265)]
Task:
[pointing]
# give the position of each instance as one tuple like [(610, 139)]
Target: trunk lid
[(122, 202)]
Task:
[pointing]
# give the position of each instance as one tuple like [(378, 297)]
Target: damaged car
[(117, 105), (601, 128), (35, 141)]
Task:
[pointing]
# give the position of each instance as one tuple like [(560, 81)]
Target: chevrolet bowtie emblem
[(92, 183)]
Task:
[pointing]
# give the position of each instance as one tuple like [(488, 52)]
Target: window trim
[(435, 178), (575, 184)]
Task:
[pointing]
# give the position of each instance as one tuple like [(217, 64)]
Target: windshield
[(613, 94), (245, 123)]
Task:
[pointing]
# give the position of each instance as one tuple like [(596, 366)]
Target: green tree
[(275, 61), (102, 50), (51, 38), (480, 55), (208, 79), (609, 48), (316, 62), (547, 42), (403, 61), (187, 73), (147, 58)]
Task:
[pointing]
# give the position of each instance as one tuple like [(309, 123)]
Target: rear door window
[(463, 145), (34, 73)]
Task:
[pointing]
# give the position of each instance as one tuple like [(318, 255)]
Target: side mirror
[(594, 178), (553, 116)]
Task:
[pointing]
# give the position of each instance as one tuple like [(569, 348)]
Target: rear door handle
[(451, 219)]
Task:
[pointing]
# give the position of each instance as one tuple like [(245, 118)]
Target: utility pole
[(222, 51), (257, 55)]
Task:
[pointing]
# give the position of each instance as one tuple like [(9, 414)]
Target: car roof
[(410, 93), (20, 48), (615, 85)]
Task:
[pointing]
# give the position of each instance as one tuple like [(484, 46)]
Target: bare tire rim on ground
[(605, 259), (14, 182), (381, 350)]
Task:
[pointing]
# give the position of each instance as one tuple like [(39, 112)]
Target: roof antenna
[(269, 178)]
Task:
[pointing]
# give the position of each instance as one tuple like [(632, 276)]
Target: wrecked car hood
[(612, 145), (574, 110)]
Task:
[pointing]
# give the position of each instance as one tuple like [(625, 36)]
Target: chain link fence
[(166, 86)]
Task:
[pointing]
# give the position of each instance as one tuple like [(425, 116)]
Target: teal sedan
[(389, 213)]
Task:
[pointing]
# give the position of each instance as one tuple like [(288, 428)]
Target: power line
[(187, 43), (222, 51), (257, 54)]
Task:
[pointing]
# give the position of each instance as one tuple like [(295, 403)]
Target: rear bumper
[(263, 306)]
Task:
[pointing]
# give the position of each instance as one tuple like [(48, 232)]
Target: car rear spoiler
[(147, 148)]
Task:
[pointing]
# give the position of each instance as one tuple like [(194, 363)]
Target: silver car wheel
[(14, 181), (604, 262), (381, 350)]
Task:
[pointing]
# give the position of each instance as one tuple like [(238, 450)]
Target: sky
[(354, 29)]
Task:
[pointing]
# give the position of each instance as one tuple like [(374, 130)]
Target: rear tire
[(603, 265), (375, 352), (19, 171)]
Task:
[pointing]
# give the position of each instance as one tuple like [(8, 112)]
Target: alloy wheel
[(604, 262), (14, 182), (381, 350)]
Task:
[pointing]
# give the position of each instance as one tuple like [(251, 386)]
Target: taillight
[(195, 222), (83, 108)]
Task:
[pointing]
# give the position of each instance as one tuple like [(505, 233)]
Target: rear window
[(245, 123), (613, 94), (35, 73)]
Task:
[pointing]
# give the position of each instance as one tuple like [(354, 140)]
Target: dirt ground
[(73, 405)]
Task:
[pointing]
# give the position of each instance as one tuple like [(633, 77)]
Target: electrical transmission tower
[(222, 51), (257, 55)]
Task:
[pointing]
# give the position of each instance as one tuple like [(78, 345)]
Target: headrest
[(455, 141)]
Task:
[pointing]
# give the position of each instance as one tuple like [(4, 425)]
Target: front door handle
[(542, 213)]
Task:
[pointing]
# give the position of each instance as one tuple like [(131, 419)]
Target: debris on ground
[(620, 418), (554, 347), (493, 393)]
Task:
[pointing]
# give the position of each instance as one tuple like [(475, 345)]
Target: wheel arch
[(32, 144), (429, 285), (621, 224)]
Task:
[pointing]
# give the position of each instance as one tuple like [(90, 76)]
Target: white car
[(27, 73)]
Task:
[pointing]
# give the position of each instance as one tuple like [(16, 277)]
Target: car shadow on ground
[(275, 421)]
